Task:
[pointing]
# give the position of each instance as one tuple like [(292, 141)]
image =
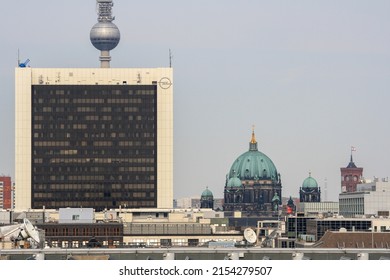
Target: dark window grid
[(63, 123)]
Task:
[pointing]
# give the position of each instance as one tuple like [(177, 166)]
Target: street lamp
[(372, 236)]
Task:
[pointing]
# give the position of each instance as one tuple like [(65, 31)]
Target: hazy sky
[(312, 76)]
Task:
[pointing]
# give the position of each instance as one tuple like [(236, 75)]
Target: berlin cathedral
[(253, 184)]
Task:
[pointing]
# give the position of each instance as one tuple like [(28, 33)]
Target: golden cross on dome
[(253, 140)]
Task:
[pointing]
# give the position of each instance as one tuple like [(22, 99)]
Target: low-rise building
[(318, 208), (344, 239), (312, 229), (83, 227), (370, 199)]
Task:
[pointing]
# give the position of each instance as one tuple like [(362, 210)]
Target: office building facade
[(369, 199), (94, 137)]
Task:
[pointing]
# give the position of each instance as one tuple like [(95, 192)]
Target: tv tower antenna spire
[(105, 35), (326, 190)]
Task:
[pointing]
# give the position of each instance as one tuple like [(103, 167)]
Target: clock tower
[(351, 176)]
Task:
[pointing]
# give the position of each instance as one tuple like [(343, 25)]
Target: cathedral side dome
[(234, 181), (207, 193), (310, 191), (207, 199), (310, 183)]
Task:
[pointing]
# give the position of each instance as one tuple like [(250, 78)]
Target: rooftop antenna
[(104, 35), (326, 190), (22, 64), (170, 58)]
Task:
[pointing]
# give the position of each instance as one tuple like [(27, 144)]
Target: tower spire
[(253, 142), (351, 163), (353, 149)]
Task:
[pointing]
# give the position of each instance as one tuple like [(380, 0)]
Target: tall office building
[(94, 137)]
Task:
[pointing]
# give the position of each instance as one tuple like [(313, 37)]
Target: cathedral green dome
[(310, 183), (207, 193), (253, 165), (234, 182)]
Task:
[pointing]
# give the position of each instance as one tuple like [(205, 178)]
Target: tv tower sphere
[(105, 35)]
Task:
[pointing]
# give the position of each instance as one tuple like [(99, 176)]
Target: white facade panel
[(23, 82), (371, 200), (76, 215)]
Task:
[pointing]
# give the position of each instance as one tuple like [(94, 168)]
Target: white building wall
[(26, 77), (5, 217), (369, 200), (23, 82), (76, 215), (318, 207), (378, 200), (188, 203), (381, 225)]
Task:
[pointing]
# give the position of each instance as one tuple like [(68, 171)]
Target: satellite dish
[(30, 231), (250, 235)]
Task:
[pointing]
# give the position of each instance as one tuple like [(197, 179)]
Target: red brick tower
[(7, 192), (351, 176)]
